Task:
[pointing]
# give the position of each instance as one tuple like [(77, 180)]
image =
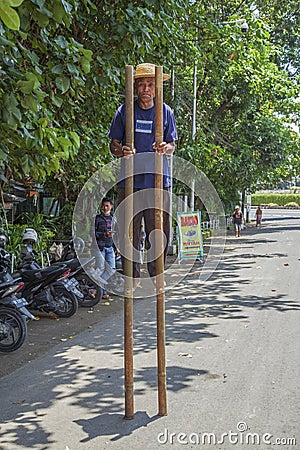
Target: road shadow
[(97, 392), (113, 425), (277, 229)]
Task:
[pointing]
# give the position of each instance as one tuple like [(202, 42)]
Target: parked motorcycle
[(92, 292), (13, 316), (88, 294), (29, 262), (104, 278), (44, 291), (41, 288)]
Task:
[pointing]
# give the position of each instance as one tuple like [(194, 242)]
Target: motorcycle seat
[(28, 275), (71, 263)]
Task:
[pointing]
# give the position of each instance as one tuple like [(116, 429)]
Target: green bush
[(48, 229), (279, 199), (206, 234), (43, 225), (63, 222)]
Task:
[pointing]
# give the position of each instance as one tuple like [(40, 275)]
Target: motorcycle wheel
[(13, 329), (65, 302), (91, 291)]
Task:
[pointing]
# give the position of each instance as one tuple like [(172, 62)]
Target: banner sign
[(190, 235)]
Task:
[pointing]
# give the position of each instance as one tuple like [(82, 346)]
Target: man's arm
[(116, 148), (164, 147), (119, 150)]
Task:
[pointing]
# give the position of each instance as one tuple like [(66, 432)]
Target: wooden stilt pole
[(159, 246), (128, 297)]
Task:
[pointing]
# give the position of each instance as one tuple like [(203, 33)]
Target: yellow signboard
[(190, 235)]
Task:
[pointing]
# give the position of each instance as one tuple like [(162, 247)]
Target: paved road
[(232, 356)]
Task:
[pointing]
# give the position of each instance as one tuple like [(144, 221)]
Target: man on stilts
[(144, 133), (145, 143)]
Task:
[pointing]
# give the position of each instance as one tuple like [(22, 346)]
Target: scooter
[(41, 288), (92, 292), (29, 262), (13, 316)]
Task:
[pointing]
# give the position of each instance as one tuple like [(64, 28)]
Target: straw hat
[(147, 70)]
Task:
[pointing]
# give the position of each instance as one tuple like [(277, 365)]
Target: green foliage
[(45, 228), (9, 16), (206, 234), (279, 199), (63, 223), (62, 77)]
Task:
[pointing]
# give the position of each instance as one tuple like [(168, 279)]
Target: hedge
[(279, 199)]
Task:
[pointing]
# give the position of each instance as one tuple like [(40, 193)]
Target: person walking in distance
[(258, 214), (237, 220), (144, 167)]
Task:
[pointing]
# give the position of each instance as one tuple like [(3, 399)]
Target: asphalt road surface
[(232, 363)]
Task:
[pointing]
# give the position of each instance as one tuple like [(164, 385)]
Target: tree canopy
[(62, 76)]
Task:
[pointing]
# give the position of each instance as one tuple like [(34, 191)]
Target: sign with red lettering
[(190, 235)]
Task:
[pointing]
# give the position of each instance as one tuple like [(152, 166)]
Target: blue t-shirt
[(144, 137)]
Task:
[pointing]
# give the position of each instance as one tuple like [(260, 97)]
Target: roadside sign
[(190, 235)]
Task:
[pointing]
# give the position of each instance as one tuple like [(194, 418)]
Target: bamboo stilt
[(159, 246), (128, 297)]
